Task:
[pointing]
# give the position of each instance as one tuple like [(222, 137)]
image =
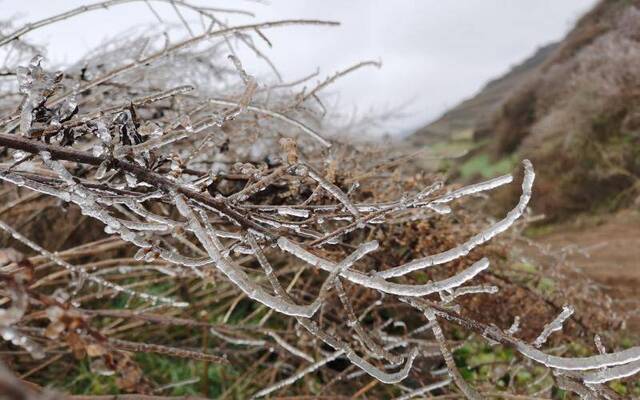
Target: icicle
[(243, 250), (139, 254), (131, 180), (19, 155), (102, 132), (150, 129), (439, 208), (99, 367), (102, 170), (228, 235), (553, 326), (346, 218), (37, 85), (16, 338), (19, 304), (65, 110)]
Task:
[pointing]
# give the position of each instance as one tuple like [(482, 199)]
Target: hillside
[(573, 109)]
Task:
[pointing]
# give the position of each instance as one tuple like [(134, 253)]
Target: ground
[(612, 258)]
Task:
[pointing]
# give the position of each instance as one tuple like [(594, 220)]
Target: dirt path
[(613, 248), (613, 252)]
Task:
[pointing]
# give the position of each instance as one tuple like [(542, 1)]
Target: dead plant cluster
[(160, 203)]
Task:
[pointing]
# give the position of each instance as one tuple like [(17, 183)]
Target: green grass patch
[(524, 267), (166, 370), (84, 381), (482, 165)]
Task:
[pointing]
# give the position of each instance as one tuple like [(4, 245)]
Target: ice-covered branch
[(375, 282), (476, 240), (468, 391), (553, 326)]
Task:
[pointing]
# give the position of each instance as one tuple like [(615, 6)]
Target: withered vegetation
[(173, 225)]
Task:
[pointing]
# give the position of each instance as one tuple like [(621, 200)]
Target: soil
[(612, 253)]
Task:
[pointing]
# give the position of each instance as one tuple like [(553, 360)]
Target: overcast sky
[(435, 53)]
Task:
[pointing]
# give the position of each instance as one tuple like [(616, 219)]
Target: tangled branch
[(233, 197)]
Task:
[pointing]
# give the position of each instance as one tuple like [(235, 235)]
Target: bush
[(147, 219)]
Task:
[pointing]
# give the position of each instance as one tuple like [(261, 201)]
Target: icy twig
[(246, 97), (291, 349), (333, 190), (233, 271), (423, 390), (293, 378), (554, 325), (86, 8), (374, 282), (468, 391), (332, 79), (367, 367), (82, 273), (311, 309), (480, 238), (473, 189), (274, 114)]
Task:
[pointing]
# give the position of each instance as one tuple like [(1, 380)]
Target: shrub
[(137, 196)]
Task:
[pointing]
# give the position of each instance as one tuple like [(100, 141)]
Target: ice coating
[(554, 325), (375, 282), (478, 239), (464, 387)]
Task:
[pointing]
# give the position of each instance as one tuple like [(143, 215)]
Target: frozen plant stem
[(553, 326), (83, 274), (469, 392), (482, 237)]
